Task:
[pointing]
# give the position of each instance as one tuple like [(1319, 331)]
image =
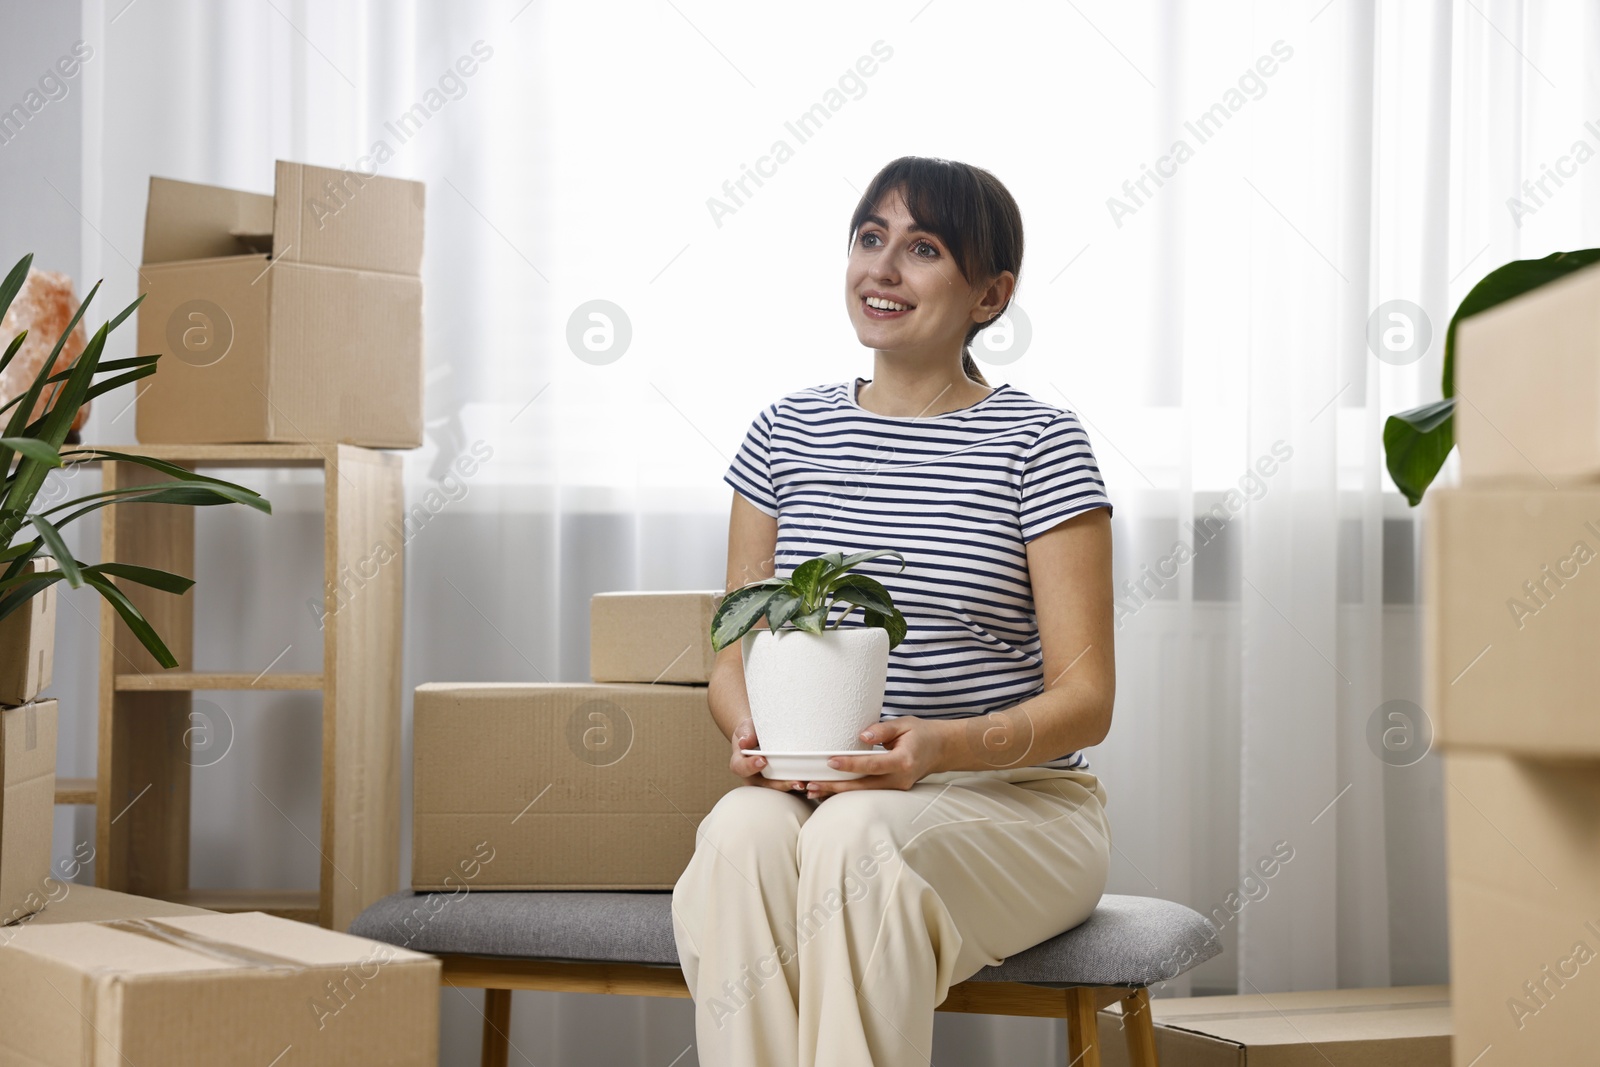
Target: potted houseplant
[(34, 555), (1417, 442), (813, 686), (34, 444)]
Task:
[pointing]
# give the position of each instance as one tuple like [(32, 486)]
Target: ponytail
[(969, 367)]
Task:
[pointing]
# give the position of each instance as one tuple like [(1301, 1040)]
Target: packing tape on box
[(205, 946), (30, 729)]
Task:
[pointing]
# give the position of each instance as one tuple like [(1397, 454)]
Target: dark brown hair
[(964, 206)]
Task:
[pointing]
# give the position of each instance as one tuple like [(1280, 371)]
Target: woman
[(819, 923)]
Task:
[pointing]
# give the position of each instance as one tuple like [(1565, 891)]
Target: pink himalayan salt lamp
[(43, 307)]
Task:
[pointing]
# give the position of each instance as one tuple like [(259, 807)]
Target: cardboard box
[(28, 643), (1403, 1027), (202, 990), (1528, 375), (293, 317), (27, 806), (1511, 585), (1523, 850), (652, 637), (564, 786)]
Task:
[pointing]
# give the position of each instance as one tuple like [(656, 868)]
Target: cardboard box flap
[(78, 903), (186, 220), (127, 949), (340, 218)]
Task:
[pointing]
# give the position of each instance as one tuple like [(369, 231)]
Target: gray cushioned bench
[(621, 942)]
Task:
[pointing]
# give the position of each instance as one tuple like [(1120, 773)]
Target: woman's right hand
[(749, 767)]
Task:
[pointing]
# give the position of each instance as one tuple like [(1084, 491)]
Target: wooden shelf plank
[(183, 681), (76, 790), (301, 905)]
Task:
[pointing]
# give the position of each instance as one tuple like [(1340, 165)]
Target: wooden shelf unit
[(142, 816)]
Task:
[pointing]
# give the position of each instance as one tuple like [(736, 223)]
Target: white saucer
[(809, 766)]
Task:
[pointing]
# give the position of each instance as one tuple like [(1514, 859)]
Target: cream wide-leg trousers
[(822, 933)]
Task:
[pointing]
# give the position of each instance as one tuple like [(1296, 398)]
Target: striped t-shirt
[(958, 495)]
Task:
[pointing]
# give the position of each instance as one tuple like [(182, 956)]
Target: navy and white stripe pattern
[(958, 495)]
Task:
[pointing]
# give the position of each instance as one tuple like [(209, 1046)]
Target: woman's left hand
[(916, 748)]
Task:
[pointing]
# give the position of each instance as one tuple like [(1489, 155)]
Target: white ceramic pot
[(815, 692)]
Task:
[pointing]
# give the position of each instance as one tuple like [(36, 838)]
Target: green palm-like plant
[(1417, 442), (804, 599), (31, 447)]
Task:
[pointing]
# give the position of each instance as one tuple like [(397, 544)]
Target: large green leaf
[(11, 352), (34, 449), (895, 624), (13, 283), (741, 609), (237, 493), (52, 537), (865, 592), (18, 425), (63, 375), (105, 385), (185, 492), (136, 622), (811, 622), (782, 609), (806, 580), (838, 562), (29, 476), (1501, 284), (165, 581), (1416, 443)]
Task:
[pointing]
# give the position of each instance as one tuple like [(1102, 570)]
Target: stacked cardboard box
[(1405, 1027), (1511, 675), (27, 753), (291, 317), (575, 786)]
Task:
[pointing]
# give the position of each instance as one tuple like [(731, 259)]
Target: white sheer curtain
[(1204, 308)]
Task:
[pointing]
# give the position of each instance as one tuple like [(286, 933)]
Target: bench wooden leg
[(1083, 1035), (1141, 1028), (496, 1027)]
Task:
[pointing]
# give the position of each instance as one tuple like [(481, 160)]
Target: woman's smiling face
[(903, 290)]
